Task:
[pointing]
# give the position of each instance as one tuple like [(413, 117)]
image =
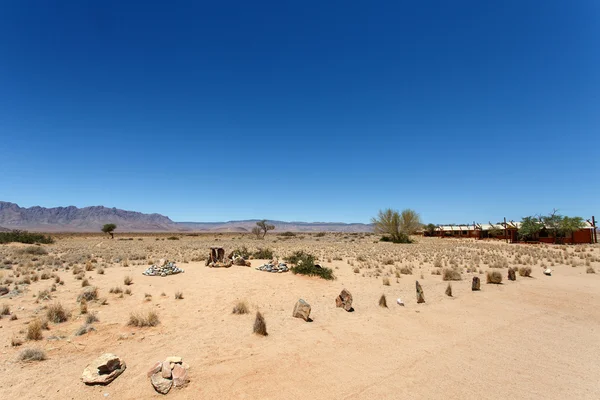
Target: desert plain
[(533, 338)]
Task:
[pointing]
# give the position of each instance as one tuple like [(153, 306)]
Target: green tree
[(430, 229), (395, 226), (410, 222), (569, 225), (264, 227), (530, 227), (552, 222), (108, 229)]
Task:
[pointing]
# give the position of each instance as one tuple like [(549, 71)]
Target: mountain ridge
[(91, 219)]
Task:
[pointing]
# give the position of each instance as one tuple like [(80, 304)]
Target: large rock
[(180, 376), (476, 285), (420, 297), (344, 300), (3, 290), (103, 370), (301, 310), (160, 384)]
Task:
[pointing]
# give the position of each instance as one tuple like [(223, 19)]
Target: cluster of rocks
[(163, 268), (172, 372), (103, 370), (273, 267)]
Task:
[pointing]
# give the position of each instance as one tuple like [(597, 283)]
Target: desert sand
[(534, 338)]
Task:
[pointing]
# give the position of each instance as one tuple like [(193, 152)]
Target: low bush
[(240, 308), (402, 238), (32, 355), (57, 313), (451, 275), (241, 252), (305, 265), (34, 250), (17, 236), (525, 271), (494, 277), (34, 330), (263, 254), (143, 320)]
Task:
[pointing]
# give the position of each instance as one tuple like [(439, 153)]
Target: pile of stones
[(273, 267), (172, 372), (163, 268)]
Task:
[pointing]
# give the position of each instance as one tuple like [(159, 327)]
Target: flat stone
[(166, 370), (180, 376), (103, 370), (301, 310), (160, 384), (155, 368)]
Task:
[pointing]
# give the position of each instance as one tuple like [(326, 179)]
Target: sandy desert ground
[(534, 338)]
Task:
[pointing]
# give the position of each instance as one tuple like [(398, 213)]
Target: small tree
[(108, 229), (552, 222), (256, 231), (530, 227), (264, 227), (395, 226), (569, 225), (410, 222), (430, 229)]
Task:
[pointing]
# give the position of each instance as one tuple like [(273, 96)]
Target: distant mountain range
[(91, 219)]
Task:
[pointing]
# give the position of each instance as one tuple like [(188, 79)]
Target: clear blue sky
[(313, 110)]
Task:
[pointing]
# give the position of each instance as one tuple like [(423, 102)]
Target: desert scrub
[(494, 277), (263, 254), (525, 271), (33, 250), (57, 313), (451, 275), (34, 330), (305, 265), (178, 295), (17, 236), (32, 355), (141, 320), (240, 308)]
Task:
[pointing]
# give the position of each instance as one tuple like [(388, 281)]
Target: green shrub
[(24, 237), (172, 238), (402, 238), (242, 252), (287, 234), (34, 250), (263, 254), (304, 264)]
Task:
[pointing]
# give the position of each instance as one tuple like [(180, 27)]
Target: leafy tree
[(410, 222), (530, 227), (108, 229), (552, 223), (395, 226), (430, 229), (569, 225), (264, 227)]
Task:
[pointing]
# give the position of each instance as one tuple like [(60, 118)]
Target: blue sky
[(314, 111)]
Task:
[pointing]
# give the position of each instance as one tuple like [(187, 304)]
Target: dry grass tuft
[(57, 313), (15, 341), (140, 320), (178, 295), (5, 310), (590, 270), (494, 277), (128, 280), (91, 318), (34, 330), (83, 309), (240, 308), (32, 355), (386, 281), (449, 274), (383, 301), (525, 271), (260, 326)]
